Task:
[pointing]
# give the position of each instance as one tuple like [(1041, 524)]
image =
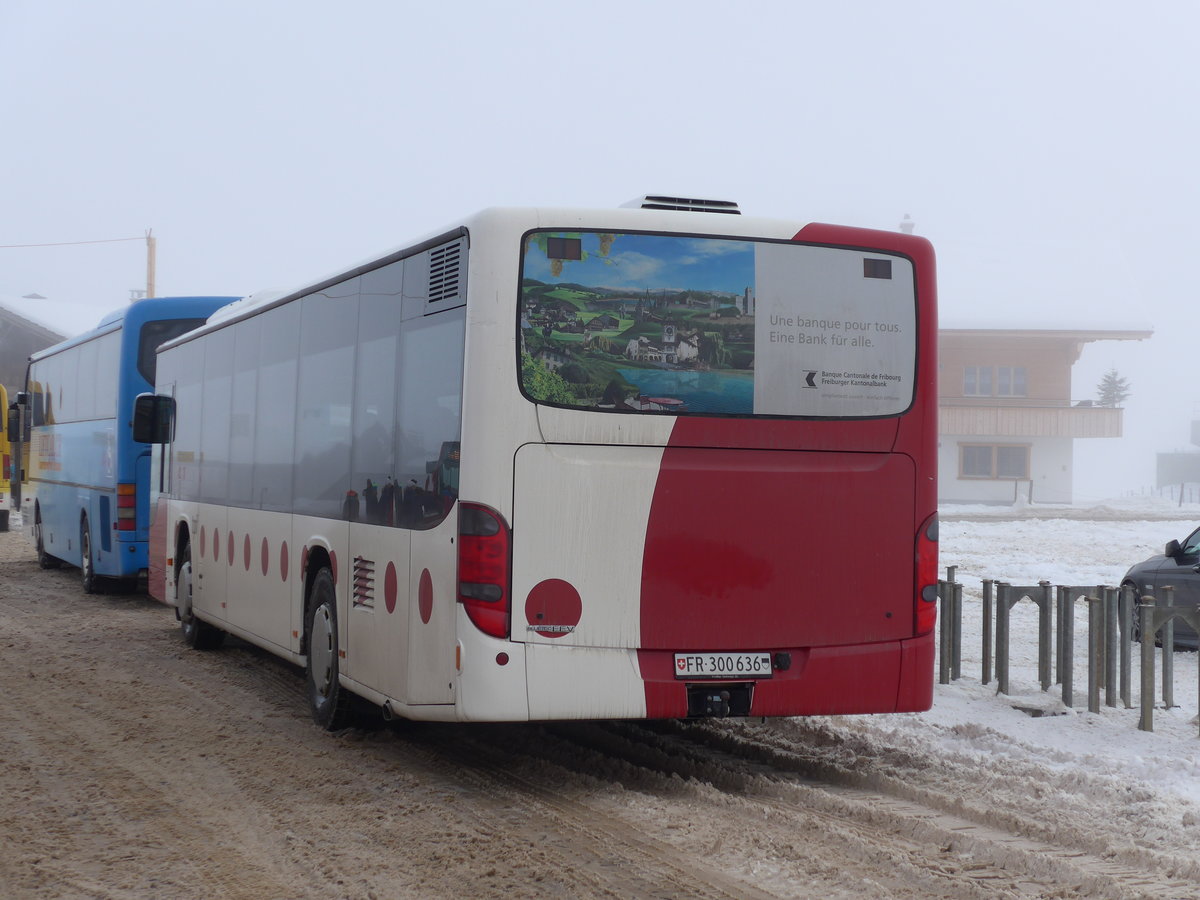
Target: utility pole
[(150, 249)]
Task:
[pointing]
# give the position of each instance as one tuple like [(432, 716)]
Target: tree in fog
[(1113, 390)]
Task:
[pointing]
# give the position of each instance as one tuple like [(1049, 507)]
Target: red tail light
[(927, 567), (126, 507), (483, 568)]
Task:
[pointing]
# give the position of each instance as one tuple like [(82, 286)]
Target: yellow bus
[(6, 472)]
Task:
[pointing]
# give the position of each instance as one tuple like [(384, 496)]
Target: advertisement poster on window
[(697, 325)]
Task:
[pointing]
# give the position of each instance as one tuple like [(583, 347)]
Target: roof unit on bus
[(685, 204)]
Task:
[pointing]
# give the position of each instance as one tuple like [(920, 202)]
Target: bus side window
[(328, 335), (430, 417), (373, 463)]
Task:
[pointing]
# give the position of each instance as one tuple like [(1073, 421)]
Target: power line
[(71, 243)]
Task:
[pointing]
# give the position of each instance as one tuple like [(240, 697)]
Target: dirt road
[(136, 768)]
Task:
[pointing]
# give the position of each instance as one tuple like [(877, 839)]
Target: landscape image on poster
[(638, 323)]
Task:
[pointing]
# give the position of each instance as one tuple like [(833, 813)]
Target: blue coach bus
[(85, 496)]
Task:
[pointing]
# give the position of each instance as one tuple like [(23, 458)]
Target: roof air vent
[(687, 204)]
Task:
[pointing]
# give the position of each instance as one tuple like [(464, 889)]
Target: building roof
[(1075, 334), (59, 318)]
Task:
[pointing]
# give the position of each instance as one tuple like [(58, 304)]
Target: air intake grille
[(444, 270), (364, 582), (687, 204)]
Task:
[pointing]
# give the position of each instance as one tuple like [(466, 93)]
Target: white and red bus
[(647, 462)]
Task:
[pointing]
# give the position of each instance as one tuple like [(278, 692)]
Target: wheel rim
[(320, 651), (183, 594), (86, 562)]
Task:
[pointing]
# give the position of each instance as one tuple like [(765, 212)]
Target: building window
[(997, 461), (994, 381), (1010, 381)]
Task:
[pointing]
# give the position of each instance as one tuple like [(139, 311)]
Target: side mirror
[(12, 425), (1172, 548), (153, 418)]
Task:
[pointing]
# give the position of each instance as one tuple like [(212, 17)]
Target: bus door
[(432, 588), (377, 630)]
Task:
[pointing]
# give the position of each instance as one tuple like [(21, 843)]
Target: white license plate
[(723, 665)]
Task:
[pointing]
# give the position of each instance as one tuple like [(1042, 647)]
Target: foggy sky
[(1047, 149)]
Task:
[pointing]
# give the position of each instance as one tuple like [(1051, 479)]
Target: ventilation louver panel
[(445, 269), (686, 204), (364, 582)]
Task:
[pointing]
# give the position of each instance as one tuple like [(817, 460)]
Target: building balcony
[(959, 416)]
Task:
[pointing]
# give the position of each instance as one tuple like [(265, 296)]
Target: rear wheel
[(196, 634), (45, 560), (87, 571), (328, 703)]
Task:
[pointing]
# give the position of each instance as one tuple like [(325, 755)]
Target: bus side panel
[(492, 678), (432, 606), (579, 525), (916, 669), (585, 683), (257, 585), (208, 565), (377, 630), (158, 553)]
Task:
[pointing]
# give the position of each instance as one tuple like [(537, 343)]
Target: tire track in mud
[(132, 798), (635, 863), (906, 826), (199, 775), (151, 770)]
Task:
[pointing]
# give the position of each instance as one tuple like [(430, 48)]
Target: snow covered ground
[(970, 719)]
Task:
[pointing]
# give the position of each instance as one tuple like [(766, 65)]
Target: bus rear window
[(686, 325), (159, 332)]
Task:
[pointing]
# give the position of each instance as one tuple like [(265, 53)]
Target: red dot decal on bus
[(246, 552), (389, 588), (216, 545), (425, 596), (283, 560), (266, 556), (201, 542), (555, 606), (229, 549)]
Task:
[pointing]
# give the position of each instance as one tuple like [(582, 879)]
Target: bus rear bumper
[(887, 677)]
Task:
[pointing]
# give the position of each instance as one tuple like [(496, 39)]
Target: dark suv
[(1177, 567)]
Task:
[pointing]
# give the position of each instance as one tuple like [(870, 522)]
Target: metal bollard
[(945, 636), (987, 630), (1127, 610), (1045, 631), (1095, 651), (1146, 615), (1062, 596), (1002, 637), (1168, 647), (1066, 648), (1110, 646), (956, 633)]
